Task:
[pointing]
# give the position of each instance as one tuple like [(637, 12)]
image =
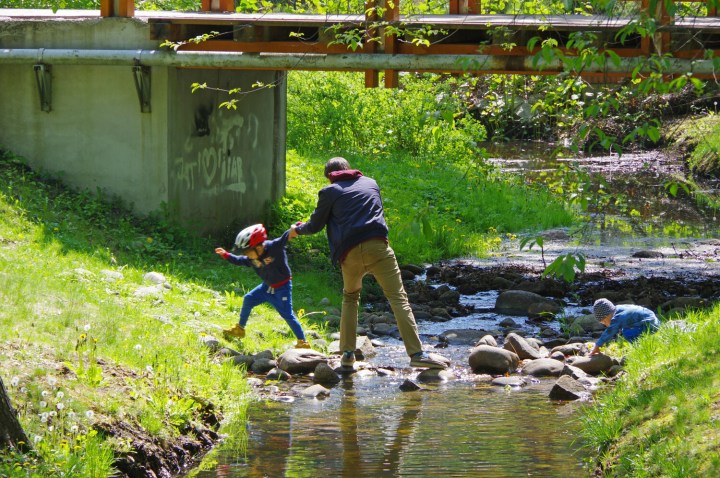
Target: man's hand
[(222, 252), (293, 232)]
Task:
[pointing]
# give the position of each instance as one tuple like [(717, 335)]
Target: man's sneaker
[(429, 360), (348, 359), (302, 344), (235, 331)]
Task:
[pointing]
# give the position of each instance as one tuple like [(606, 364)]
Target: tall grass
[(442, 198), (660, 418), (81, 348)]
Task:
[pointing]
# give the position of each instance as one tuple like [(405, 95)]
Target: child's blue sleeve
[(609, 333), (239, 260)]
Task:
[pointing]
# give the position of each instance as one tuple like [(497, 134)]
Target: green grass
[(72, 324), (661, 419)]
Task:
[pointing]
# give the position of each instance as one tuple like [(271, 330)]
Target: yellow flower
[(149, 240)]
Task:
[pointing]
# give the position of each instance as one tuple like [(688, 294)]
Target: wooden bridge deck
[(499, 35)]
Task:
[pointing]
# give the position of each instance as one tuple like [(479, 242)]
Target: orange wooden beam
[(392, 14), (372, 77), (117, 8)]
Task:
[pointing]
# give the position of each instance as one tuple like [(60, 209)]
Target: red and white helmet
[(250, 237)]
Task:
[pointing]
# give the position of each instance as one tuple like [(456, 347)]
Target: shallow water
[(640, 180), (368, 428)]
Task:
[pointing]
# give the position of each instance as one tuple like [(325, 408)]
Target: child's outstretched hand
[(222, 252)]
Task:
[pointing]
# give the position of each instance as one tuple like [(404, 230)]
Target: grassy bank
[(99, 360), (661, 418), (88, 344)]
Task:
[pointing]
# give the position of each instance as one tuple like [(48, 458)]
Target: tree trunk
[(11, 433)]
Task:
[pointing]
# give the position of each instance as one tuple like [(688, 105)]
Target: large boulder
[(493, 360), (519, 302), (593, 364), (520, 346), (567, 388), (300, 360), (462, 336), (364, 349), (544, 367)]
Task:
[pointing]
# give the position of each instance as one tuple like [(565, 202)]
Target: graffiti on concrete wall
[(216, 158)]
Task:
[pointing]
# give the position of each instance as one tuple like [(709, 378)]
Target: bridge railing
[(684, 36)]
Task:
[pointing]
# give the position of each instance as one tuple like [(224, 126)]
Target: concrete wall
[(211, 167)]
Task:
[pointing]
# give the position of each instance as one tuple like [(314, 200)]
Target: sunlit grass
[(660, 419)]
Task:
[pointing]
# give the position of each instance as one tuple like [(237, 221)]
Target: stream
[(464, 426)]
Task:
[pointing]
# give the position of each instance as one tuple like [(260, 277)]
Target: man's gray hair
[(336, 164)]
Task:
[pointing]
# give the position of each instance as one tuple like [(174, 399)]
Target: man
[(351, 209), (629, 320)]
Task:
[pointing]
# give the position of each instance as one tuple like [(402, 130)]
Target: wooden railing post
[(117, 8), (372, 77), (217, 5), (392, 14)]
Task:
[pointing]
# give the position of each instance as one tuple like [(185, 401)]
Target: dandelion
[(43, 418), (86, 328), (60, 395), (51, 428), (43, 404), (60, 406), (138, 347), (52, 381), (23, 389), (15, 381), (74, 429), (71, 415), (37, 439), (45, 394), (149, 368), (89, 414), (52, 413)]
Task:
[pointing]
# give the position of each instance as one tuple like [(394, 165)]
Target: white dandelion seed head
[(74, 429), (71, 415), (37, 439), (52, 413), (138, 347), (59, 395), (15, 381), (149, 368), (86, 328), (43, 404), (23, 389), (45, 394), (43, 418), (60, 405), (51, 428), (52, 381), (89, 414)]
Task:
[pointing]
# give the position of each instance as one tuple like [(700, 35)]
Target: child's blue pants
[(280, 298)]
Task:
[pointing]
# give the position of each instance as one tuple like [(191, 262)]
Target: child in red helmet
[(269, 260)]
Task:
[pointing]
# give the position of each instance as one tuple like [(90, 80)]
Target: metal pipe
[(339, 61)]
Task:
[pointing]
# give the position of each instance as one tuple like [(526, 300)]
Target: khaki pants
[(377, 258)]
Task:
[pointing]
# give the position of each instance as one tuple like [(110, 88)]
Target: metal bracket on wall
[(44, 84), (141, 74)]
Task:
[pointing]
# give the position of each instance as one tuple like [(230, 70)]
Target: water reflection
[(368, 428)]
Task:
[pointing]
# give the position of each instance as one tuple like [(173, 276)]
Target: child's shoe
[(235, 331), (302, 344)]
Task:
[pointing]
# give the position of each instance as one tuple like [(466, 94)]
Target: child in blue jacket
[(269, 260), (629, 320)]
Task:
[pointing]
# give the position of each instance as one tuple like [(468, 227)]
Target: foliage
[(660, 418), (442, 198), (81, 348)]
